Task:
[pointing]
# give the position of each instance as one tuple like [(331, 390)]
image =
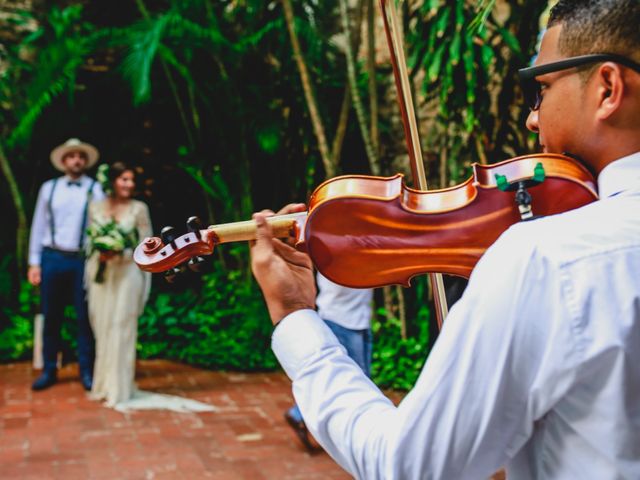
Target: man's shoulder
[(570, 236), (90, 180), (52, 180), (47, 184), (95, 187)]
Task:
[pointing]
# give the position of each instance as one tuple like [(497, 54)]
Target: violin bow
[(412, 138)]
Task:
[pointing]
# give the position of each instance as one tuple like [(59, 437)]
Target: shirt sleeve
[(486, 380), (97, 192), (38, 225), (143, 221), (143, 224)]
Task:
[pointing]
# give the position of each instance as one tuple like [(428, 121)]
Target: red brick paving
[(60, 434)]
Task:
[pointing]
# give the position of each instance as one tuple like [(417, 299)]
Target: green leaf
[(510, 40), (434, 67), (443, 21)]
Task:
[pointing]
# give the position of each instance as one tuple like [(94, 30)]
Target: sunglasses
[(531, 87)]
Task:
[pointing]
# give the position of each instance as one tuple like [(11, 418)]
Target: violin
[(363, 231)]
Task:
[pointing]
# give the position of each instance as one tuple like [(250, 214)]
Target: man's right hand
[(34, 275)]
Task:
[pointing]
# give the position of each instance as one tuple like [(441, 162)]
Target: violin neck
[(284, 226)]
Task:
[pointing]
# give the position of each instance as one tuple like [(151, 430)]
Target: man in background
[(56, 255)]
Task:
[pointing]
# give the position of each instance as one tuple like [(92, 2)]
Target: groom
[(56, 259)]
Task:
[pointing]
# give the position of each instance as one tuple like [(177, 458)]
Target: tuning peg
[(196, 264), (168, 235), (194, 224), (171, 275)]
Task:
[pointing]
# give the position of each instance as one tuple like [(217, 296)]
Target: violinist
[(537, 366)]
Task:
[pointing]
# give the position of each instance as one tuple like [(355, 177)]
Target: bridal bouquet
[(109, 237)]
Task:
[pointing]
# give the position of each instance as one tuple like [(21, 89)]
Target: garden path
[(60, 434)]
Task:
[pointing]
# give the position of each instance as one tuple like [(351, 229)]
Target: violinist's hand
[(284, 274)]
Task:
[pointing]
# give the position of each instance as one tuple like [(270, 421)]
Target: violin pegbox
[(173, 254)]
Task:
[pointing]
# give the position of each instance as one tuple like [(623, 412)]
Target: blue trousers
[(63, 282), (358, 344)]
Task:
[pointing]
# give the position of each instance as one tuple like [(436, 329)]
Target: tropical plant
[(209, 96), (466, 62), (39, 68), (222, 324)]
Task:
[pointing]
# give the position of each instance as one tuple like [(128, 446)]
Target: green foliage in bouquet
[(109, 237)]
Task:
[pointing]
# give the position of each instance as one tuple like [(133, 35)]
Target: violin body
[(362, 231), (370, 231)]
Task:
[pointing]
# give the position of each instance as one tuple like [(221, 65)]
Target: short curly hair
[(598, 26)]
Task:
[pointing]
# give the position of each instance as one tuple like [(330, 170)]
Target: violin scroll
[(171, 253), (174, 254)]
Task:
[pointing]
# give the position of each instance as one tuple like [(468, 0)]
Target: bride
[(117, 292)]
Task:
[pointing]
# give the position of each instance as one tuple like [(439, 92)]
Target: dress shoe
[(87, 381), (45, 380), (301, 431)]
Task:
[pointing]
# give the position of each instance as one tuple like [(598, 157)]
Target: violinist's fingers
[(292, 208), (263, 213), (262, 247), (291, 255)]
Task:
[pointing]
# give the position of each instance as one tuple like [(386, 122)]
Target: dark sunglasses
[(531, 87)]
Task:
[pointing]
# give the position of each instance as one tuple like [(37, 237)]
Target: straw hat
[(72, 145)]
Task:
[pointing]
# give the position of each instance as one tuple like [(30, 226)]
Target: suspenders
[(52, 223)]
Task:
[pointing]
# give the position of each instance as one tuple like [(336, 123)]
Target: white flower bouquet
[(109, 238)]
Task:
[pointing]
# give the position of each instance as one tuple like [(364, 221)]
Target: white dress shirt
[(348, 307), (68, 205), (537, 366)]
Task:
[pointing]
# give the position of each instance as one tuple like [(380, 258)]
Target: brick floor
[(60, 434)]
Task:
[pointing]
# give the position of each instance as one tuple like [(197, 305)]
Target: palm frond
[(484, 10), (253, 39), (64, 80), (145, 38), (181, 28), (54, 69)]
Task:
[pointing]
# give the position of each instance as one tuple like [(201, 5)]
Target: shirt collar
[(68, 179), (620, 175)]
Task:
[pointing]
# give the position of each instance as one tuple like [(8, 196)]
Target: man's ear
[(610, 89)]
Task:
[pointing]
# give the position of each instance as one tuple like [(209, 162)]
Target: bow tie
[(74, 183)]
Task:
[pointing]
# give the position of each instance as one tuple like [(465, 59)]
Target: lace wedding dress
[(115, 305)]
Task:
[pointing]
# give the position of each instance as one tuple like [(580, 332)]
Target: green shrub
[(223, 324), (397, 362), (16, 338)]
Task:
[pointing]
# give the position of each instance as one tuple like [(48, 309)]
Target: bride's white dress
[(114, 308)]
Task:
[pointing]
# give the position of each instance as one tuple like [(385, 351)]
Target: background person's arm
[(38, 230)]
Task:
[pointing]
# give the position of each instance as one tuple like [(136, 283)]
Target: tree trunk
[(341, 129), (316, 120), (355, 93), (21, 231), (371, 73)]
